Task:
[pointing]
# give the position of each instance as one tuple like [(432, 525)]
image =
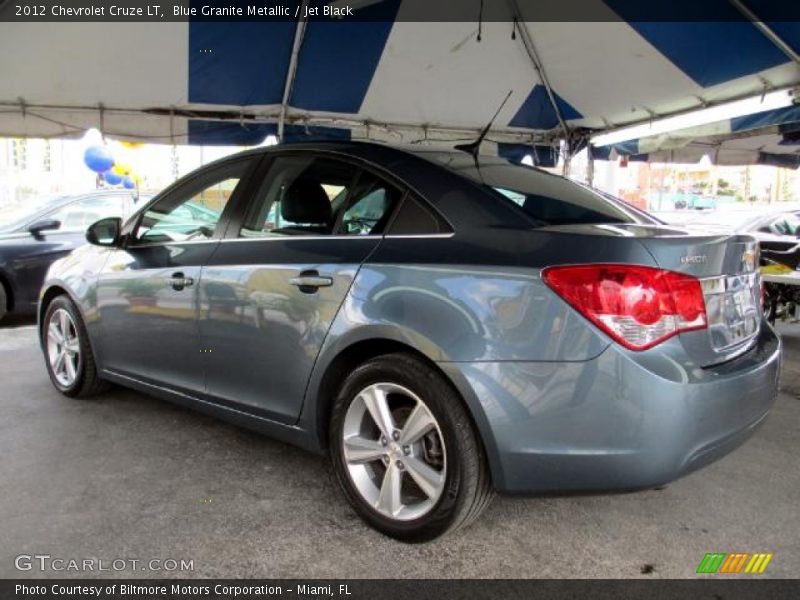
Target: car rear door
[(147, 293), (272, 289)]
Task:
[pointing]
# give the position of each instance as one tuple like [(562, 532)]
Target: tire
[(62, 313), (444, 480)]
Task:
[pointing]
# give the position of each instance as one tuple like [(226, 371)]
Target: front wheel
[(405, 452), (67, 350)]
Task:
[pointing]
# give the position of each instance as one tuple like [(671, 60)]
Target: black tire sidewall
[(437, 394), (65, 303)]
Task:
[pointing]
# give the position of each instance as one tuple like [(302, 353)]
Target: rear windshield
[(547, 199)]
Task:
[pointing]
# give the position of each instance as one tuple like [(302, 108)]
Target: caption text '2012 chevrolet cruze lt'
[(442, 325)]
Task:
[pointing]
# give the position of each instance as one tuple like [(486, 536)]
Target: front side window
[(78, 215), (306, 195), (193, 211)]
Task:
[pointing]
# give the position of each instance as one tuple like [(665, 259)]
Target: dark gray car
[(34, 237), (441, 329)]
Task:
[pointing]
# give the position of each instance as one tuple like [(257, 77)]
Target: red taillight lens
[(637, 306)]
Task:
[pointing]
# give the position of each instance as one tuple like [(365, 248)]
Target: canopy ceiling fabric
[(769, 138), (203, 82)]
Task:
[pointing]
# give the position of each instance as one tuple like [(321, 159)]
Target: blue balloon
[(128, 183), (112, 178), (98, 159)]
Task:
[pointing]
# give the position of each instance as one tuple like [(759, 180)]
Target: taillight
[(637, 306)]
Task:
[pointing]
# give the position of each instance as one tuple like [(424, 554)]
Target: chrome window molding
[(296, 237), (337, 237)]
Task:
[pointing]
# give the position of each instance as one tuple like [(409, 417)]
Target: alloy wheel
[(394, 451), (63, 347)]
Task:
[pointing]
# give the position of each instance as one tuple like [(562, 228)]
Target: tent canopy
[(386, 78), (769, 138)]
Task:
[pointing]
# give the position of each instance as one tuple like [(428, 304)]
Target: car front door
[(272, 289), (147, 291)]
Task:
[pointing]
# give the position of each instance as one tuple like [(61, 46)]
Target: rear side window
[(368, 208), (547, 199), (313, 196), (414, 218)]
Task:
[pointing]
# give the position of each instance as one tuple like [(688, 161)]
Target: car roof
[(379, 152)]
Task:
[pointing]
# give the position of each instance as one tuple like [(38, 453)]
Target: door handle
[(310, 281), (178, 281)]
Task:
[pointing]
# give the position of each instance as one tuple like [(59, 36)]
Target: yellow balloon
[(132, 145), (121, 170)]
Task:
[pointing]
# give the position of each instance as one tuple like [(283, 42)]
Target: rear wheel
[(67, 350), (405, 452)]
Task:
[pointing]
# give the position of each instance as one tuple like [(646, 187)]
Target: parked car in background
[(778, 233), (32, 238), (442, 325), (776, 229)]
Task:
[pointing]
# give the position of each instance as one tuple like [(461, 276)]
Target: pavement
[(128, 477)]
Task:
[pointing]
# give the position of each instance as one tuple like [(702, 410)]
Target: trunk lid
[(728, 268)]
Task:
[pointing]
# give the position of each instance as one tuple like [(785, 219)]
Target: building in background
[(702, 185)]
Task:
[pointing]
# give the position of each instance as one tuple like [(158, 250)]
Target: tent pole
[(299, 32), (567, 159), (768, 32), (589, 166), (527, 42)]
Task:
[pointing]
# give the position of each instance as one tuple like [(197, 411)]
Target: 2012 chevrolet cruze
[(442, 326)]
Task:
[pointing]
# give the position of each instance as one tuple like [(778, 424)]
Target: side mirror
[(105, 232), (38, 227)]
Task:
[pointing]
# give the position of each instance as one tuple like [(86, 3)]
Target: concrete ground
[(128, 476)]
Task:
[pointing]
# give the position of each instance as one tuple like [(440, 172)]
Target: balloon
[(128, 183), (112, 178), (123, 170), (98, 158), (132, 145)]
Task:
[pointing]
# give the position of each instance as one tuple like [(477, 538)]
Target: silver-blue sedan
[(442, 326)]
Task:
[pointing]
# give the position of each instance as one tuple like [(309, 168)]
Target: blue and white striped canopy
[(395, 80), (771, 138)]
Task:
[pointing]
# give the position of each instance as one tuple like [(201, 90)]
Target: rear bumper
[(620, 421)]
